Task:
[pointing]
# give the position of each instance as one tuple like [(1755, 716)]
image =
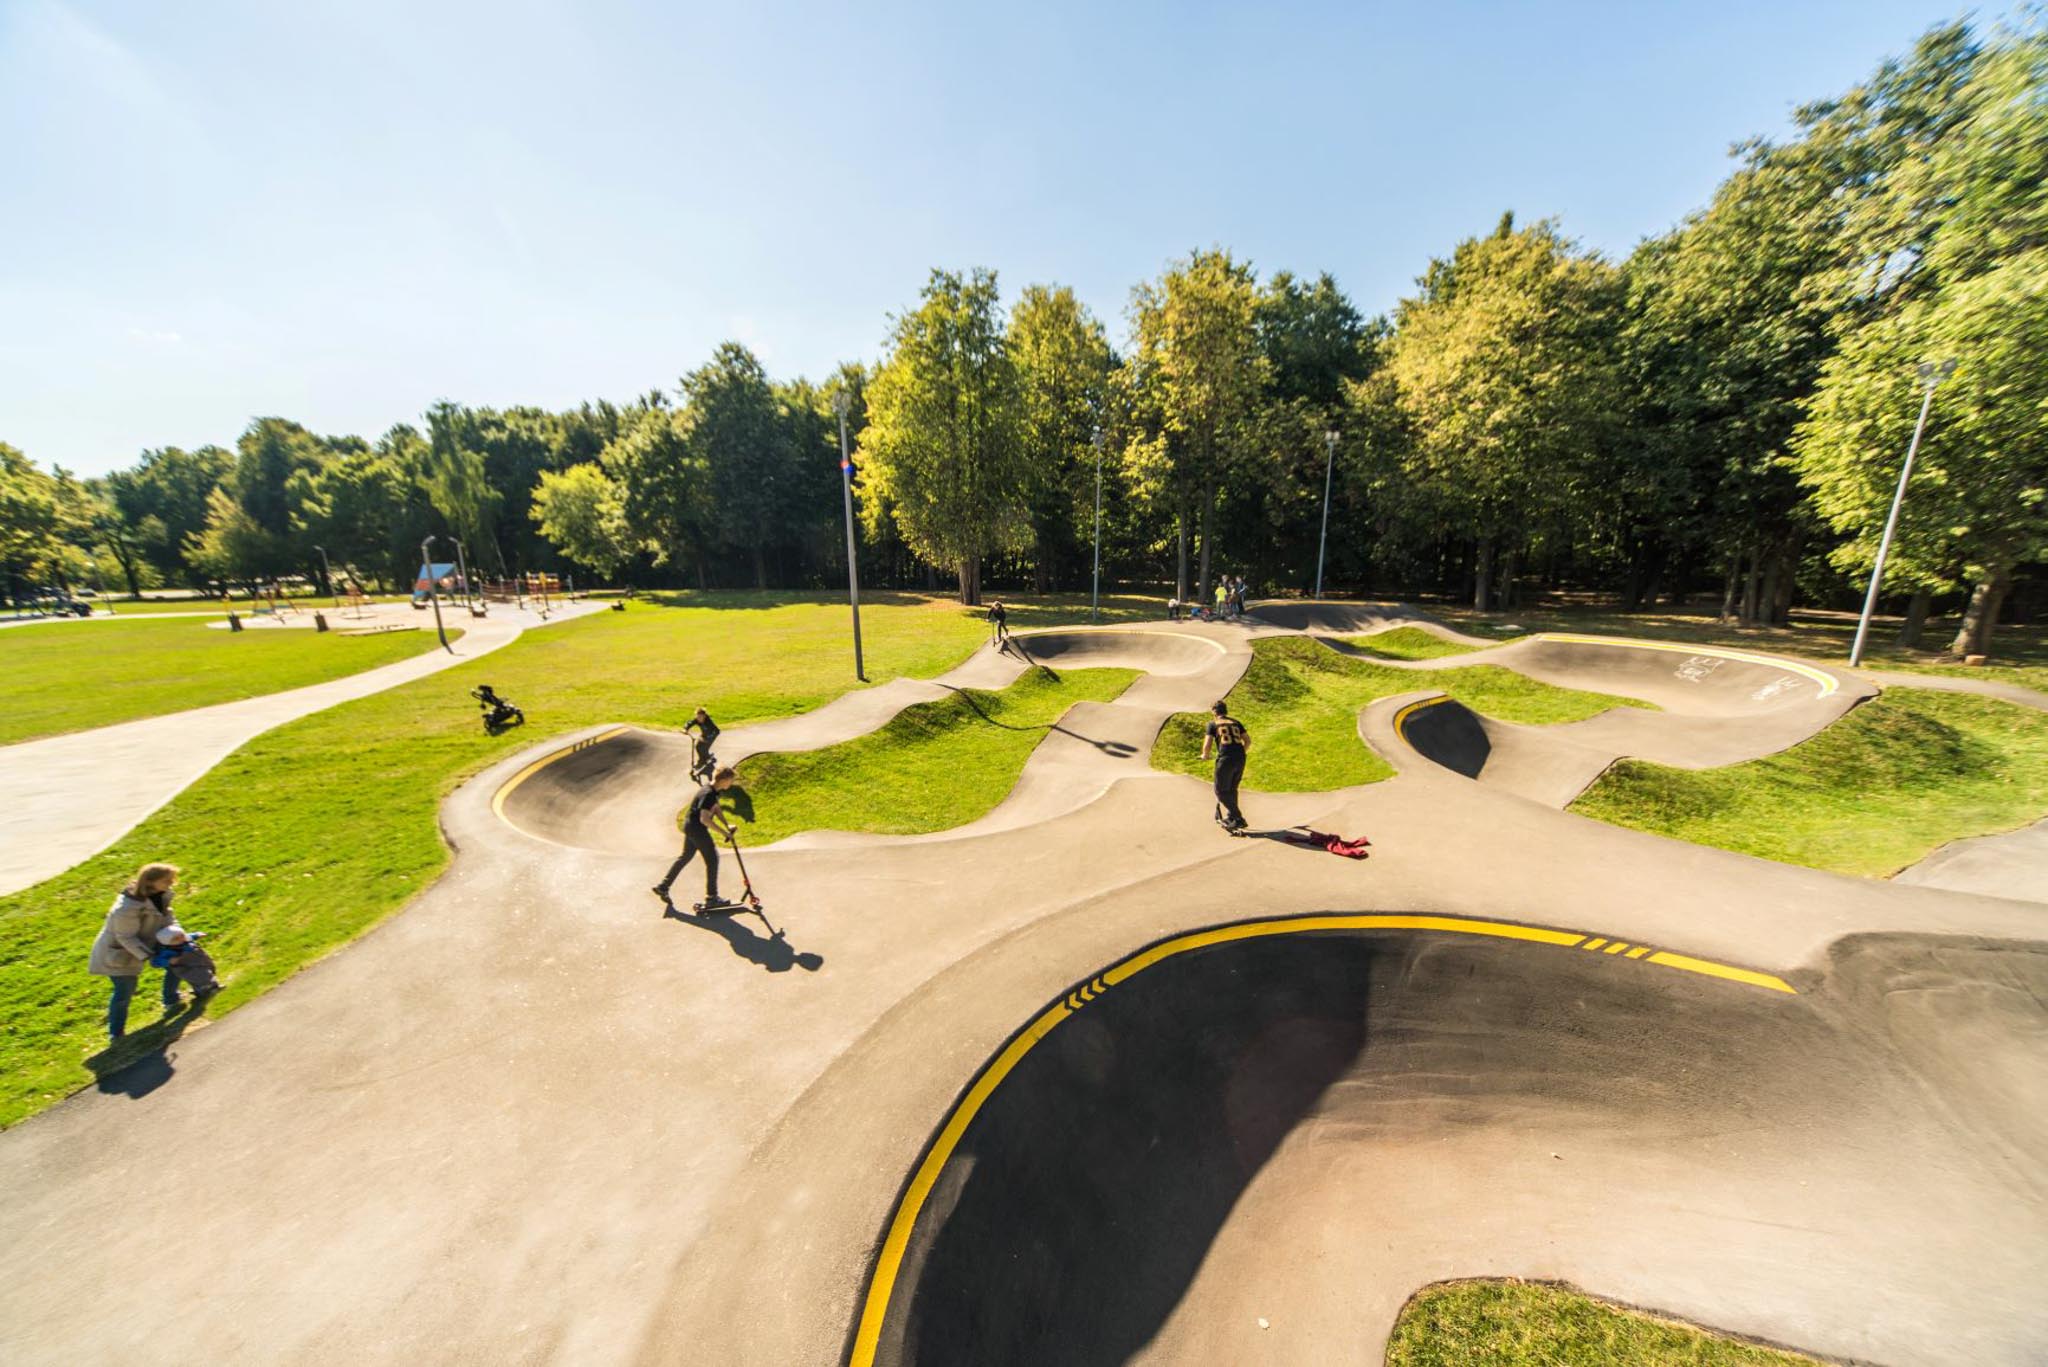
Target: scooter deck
[(723, 908)]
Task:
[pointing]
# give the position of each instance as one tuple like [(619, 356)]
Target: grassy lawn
[(1408, 643), (1539, 1324), (2019, 653), (56, 677), (1300, 700), (1904, 773), (935, 766), (311, 834)]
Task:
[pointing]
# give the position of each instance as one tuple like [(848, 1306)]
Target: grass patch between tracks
[(1541, 1324), (1408, 643), (314, 832), (932, 767), (57, 677), (1300, 700), (1882, 788)]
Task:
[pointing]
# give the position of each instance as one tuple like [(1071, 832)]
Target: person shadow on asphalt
[(772, 952), (139, 1063)]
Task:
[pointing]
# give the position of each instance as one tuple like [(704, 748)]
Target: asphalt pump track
[(1086, 1081)]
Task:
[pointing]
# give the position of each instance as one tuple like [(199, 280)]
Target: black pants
[(696, 840), (1229, 773)]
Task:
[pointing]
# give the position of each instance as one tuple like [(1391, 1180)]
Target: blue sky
[(342, 212)]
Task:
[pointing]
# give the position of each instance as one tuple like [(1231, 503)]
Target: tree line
[(1724, 409)]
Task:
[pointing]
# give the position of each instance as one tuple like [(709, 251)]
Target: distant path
[(65, 798)]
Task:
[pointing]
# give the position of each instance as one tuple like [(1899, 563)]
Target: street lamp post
[(1095, 599), (434, 591), (839, 403), (1930, 375), (1329, 464)]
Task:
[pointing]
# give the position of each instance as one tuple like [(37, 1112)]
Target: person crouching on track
[(1231, 740), (699, 821), (998, 623), (707, 733)]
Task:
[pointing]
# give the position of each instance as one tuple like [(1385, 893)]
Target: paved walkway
[(65, 798), (532, 1120)]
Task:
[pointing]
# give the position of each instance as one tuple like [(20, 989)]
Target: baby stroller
[(498, 713)]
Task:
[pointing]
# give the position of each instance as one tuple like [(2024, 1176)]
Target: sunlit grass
[(1300, 700), (1408, 643), (933, 767), (1877, 791), (1541, 1324), (70, 676)]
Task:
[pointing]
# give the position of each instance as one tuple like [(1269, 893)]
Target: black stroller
[(498, 713)]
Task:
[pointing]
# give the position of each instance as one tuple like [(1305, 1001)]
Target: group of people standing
[(1229, 602)]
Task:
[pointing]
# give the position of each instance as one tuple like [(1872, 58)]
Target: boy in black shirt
[(699, 821), (998, 622), (1231, 740), (707, 732)]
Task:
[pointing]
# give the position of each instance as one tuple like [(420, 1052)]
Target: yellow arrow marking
[(889, 1261)]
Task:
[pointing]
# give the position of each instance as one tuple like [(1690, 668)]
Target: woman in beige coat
[(128, 939)]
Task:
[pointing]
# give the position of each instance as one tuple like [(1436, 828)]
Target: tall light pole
[(839, 404), (1095, 599), (1329, 464), (434, 591), (1930, 375)]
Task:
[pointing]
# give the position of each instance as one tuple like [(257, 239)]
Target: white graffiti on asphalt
[(1698, 667)]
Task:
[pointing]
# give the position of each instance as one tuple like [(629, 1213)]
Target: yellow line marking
[(1594, 943), (1828, 682), (498, 798), (1616, 947), (1401, 717), (889, 1260), (1639, 951), (1714, 970)]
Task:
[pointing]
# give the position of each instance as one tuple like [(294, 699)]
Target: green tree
[(249, 532), (1198, 381), (665, 488), (1944, 261), (1723, 343), (1978, 503), (582, 513), (455, 479), (1505, 369), (944, 442), (1063, 362), (737, 435), (168, 487), (30, 542), (126, 532), (1317, 348)]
